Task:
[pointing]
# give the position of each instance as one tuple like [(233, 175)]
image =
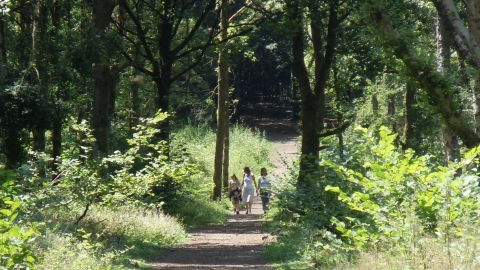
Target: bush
[(382, 202), (16, 236)]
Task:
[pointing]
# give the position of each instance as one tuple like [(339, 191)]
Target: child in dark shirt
[(235, 194)]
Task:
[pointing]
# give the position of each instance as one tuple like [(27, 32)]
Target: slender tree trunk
[(134, 99), (473, 18), (163, 98), (408, 116), (226, 155), (40, 52), (56, 141), (101, 101), (339, 99), (450, 144), (104, 82), (310, 145), (3, 55), (222, 114), (391, 111), (58, 117)]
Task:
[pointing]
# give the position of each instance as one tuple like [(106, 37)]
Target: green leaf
[(6, 212)]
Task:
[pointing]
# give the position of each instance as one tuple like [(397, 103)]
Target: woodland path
[(240, 243)]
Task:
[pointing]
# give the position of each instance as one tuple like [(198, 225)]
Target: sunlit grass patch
[(247, 148), (105, 234), (202, 210), (63, 251), (136, 225)]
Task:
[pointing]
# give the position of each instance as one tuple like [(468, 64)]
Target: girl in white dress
[(248, 188)]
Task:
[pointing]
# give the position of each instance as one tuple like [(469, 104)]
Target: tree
[(182, 35), (437, 87), (313, 93), (221, 146)]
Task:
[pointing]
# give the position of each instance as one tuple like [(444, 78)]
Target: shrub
[(16, 236), (380, 202)]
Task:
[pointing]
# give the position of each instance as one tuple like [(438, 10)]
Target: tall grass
[(247, 148), (109, 238)]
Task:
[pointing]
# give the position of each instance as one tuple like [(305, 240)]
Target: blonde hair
[(234, 177)]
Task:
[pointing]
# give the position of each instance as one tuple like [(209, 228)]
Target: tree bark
[(464, 40), (3, 54), (310, 145), (222, 114), (104, 83), (409, 117), (312, 100), (450, 144), (40, 52)]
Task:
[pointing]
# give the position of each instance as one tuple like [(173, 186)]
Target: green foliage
[(400, 192), (141, 175), (16, 236), (383, 201)]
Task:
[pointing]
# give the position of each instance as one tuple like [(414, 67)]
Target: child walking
[(235, 193), (264, 189)]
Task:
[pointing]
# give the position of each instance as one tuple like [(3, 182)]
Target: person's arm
[(254, 182)]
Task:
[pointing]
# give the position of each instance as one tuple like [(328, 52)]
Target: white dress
[(248, 189)]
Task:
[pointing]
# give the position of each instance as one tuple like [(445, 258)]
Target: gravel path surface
[(237, 245), (240, 243)]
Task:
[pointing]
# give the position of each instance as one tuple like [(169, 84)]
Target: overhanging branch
[(335, 130)]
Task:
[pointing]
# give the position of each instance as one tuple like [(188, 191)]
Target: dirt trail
[(240, 243)]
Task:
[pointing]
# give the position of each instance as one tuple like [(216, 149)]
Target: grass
[(128, 237), (125, 237), (247, 148), (425, 253)]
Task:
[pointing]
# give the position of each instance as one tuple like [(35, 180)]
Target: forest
[(121, 122)]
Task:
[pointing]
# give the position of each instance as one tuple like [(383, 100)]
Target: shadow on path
[(275, 120)]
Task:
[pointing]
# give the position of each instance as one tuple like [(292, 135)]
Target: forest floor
[(240, 243)]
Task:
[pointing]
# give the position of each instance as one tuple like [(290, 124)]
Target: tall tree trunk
[(409, 117), (450, 144), (163, 84), (222, 109), (104, 83), (56, 141), (310, 145), (472, 8), (312, 100), (3, 55), (134, 100), (339, 99), (58, 117), (40, 52), (101, 102)]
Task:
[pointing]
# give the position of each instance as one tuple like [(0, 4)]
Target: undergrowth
[(116, 212), (379, 209)]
